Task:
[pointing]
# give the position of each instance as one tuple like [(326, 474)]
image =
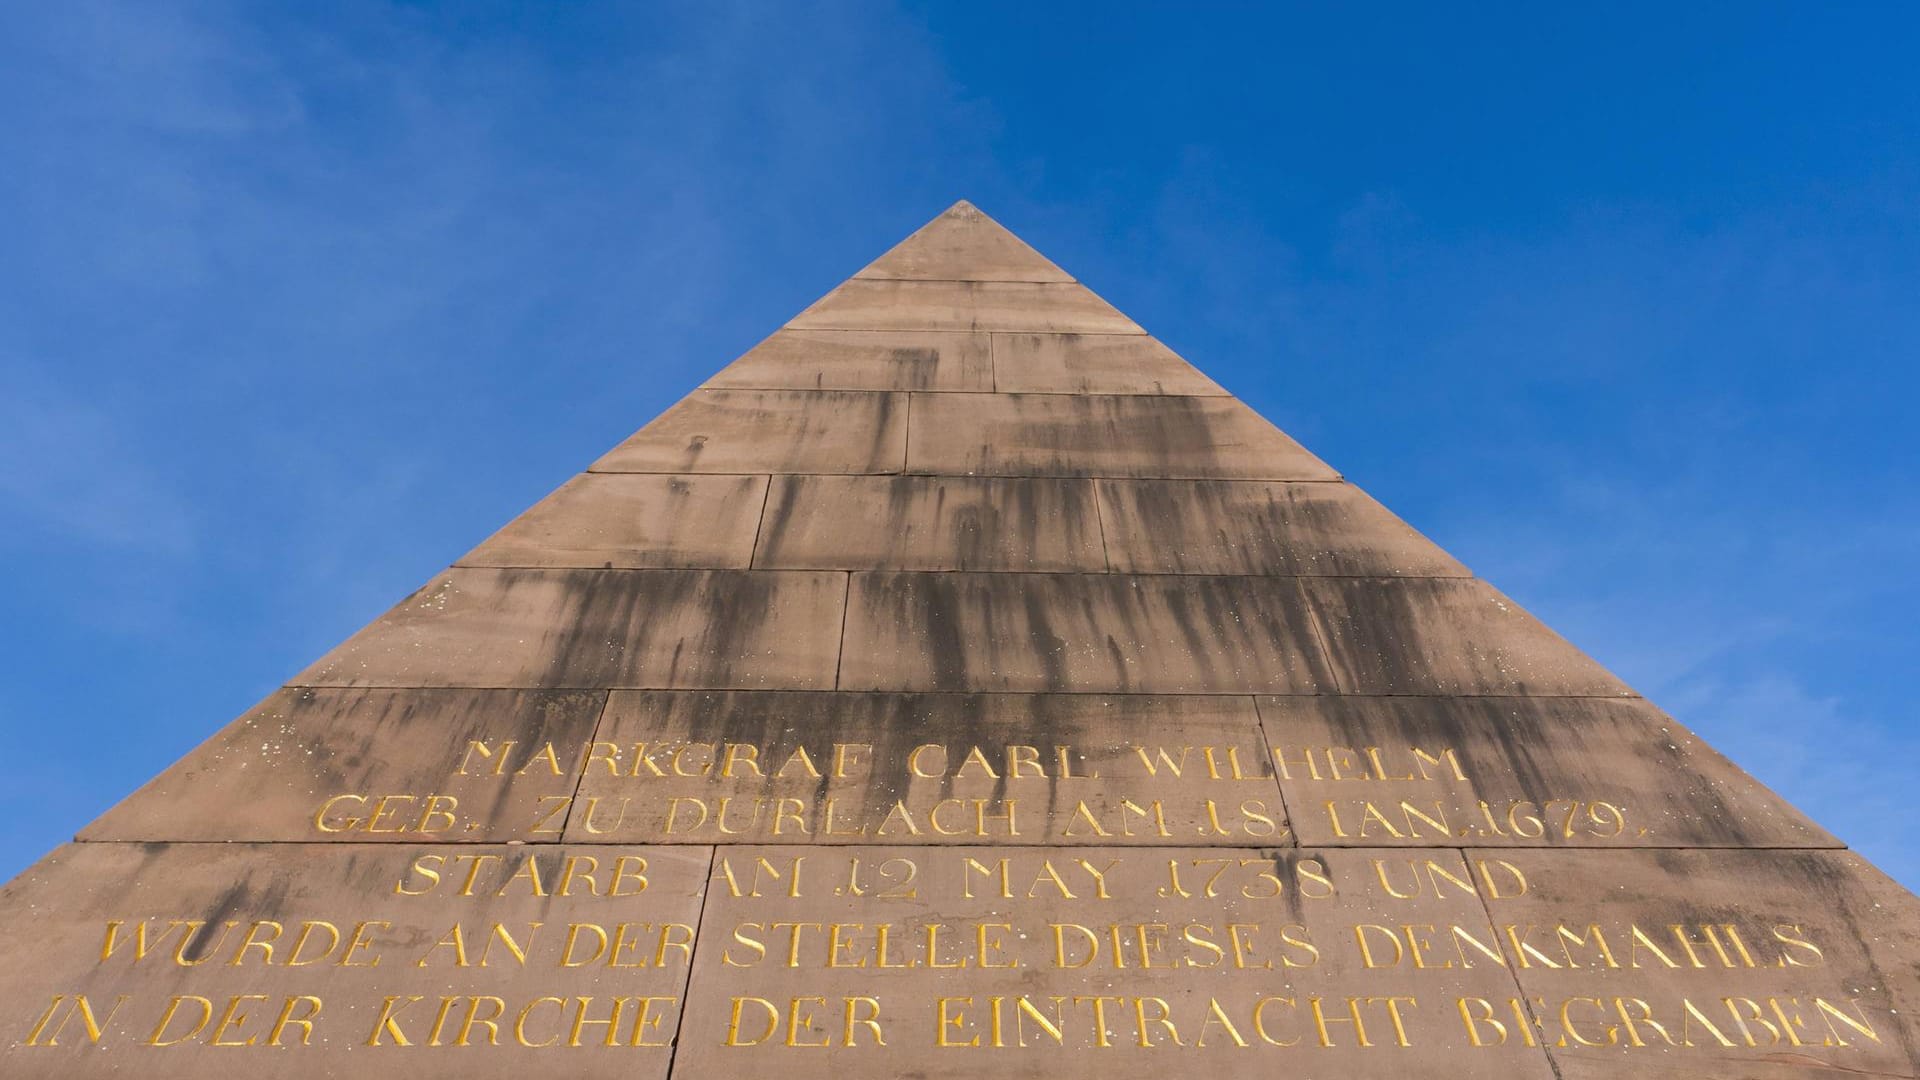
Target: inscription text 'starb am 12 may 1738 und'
[(959, 683)]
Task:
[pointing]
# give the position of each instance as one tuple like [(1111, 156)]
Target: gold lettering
[(95, 1026), (387, 1025), (287, 1019), (733, 1023)]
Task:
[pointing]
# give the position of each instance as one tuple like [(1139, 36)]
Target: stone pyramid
[(959, 683)]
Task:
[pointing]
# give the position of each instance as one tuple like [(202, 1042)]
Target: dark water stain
[(1046, 646), (607, 619), (788, 492), (915, 367), (887, 433), (239, 904), (928, 607), (1373, 635)]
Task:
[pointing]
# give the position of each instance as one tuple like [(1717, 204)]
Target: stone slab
[(1035, 307), (476, 627), (964, 244), (371, 765), (1801, 959), (1444, 636), (1084, 633), (353, 949), (931, 523), (1571, 1068), (863, 360), (1248, 527), (1093, 364), (843, 768), (1113, 435), (1510, 771), (769, 431), (633, 520), (885, 961)]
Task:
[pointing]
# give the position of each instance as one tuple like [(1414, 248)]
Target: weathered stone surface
[(1199, 957), (633, 520), (1527, 772), (930, 523), (595, 628), (1036, 307), (1444, 636), (1093, 364), (769, 431), (301, 960), (993, 695), (1690, 959), (862, 360), (1079, 633), (1113, 435), (964, 244), (845, 768), (1241, 527), (371, 765)]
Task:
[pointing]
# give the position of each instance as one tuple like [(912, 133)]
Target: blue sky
[(1617, 303)]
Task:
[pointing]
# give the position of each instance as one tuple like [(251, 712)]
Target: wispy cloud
[(71, 472)]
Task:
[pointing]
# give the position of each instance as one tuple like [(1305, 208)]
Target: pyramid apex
[(963, 244)]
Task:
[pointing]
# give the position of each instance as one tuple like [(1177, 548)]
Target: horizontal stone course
[(1093, 364), (769, 431), (633, 521), (1101, 633), (1032, 307), (930, 523), (775, 629), (1259, 528), (1129, 435), (862, 360)]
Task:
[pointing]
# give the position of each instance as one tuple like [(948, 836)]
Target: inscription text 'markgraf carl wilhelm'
[(716, 792)]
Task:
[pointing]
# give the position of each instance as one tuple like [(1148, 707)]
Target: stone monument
[(957, 684)]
